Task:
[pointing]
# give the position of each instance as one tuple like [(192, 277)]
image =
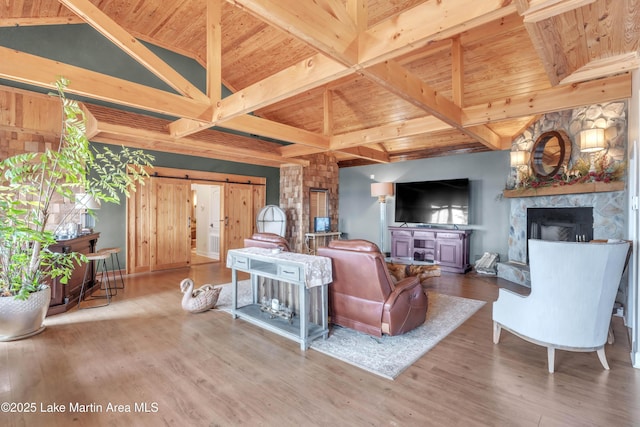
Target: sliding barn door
[(170, 218), (241, 206), (158, 229), (139, 228)]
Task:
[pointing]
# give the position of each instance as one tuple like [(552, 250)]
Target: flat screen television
[(433, 202)]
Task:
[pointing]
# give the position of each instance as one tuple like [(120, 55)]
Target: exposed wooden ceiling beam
[(556, 66), (305, 75), (287, 16), (358, 10), (368, 153), (34, 70), (226, 146), (362, 152), (401, 82), (300, 78), (270, 129), (567, 34), (185, 127), (571, 96), (605, 67), (327, 112), (403, 129), (196, 149), (457, 72), (214, 50), (30, 22), (132, 47), (554, 99), (296, 150), (333, 33), (213, 68), (411, 29), (539, 10)]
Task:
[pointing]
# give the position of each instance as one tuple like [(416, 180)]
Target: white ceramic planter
[(22, 319)]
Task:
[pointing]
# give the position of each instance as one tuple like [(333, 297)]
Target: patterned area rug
[(387, 356)]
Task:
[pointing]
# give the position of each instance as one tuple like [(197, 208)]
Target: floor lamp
[(381, 190)]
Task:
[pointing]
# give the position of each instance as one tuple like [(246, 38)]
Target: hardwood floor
[(209, 370)]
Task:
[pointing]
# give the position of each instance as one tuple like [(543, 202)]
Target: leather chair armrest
[(403, 285)]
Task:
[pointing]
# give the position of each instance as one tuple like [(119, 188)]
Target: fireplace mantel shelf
[(589, 187)]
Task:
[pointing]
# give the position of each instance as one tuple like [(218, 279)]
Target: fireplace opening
[(560, 224)]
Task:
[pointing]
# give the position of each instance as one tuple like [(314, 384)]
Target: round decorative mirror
[(550, 152)]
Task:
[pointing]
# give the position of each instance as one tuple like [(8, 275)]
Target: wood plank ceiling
[(370, 80)]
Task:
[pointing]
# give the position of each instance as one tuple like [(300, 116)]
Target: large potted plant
[(30, 185)]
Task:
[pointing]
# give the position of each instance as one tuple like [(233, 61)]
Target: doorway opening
[(206, 219)]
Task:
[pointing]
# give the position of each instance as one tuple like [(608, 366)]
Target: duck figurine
[(198, 300)]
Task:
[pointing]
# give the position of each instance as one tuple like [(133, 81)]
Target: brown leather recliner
[(267, 240), (363, 296)]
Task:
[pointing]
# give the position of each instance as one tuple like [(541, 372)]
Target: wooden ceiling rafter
[(565, 66), (401, 82), (213, 68), (287, 16), (114, 127), (335, 36), (539, 10), (30, 22), (35, 70), (554, 99), (130, 45), (348, 43)]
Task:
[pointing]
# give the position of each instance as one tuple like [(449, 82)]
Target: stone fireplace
[(607, 210)]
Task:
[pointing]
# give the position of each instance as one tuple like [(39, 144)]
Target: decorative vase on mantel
[(21, 319)]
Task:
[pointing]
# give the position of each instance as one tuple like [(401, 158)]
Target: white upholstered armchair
[(573, 289)]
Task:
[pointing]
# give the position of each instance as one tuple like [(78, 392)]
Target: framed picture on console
[(321, 224)]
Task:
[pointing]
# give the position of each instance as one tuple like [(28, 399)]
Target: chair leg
[(603, 358), (119, 270), (84, 281), (104, 281), (496, 332), (551, 358), (611, 338)]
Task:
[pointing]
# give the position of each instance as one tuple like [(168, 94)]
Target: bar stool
[(113, 252), (101, 259)]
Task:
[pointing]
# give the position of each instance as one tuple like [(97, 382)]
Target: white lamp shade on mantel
[(519, 158), (592, 140)]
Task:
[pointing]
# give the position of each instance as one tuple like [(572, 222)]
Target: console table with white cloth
[(301, 272)]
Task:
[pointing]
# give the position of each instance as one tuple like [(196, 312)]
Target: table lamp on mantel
[(592, 141), (381, 190)]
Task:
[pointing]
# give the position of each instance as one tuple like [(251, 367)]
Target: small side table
[(311, 240)]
